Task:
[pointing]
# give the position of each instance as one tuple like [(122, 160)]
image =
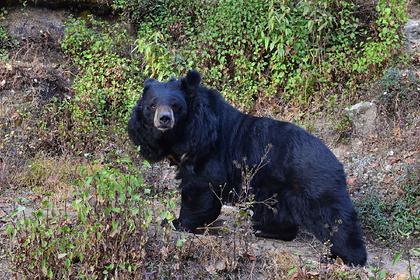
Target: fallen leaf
[(295, 276), (2, 214), (387, 179), (351, 180), (339, 261), (250, 257), (220, 265), (164, 252), (211, 269), (313, 273), (410, 160), (393, 160)]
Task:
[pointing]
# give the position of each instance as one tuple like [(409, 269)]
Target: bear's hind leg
[(285, 232), (347, 241), (276, 224), (337, 223)]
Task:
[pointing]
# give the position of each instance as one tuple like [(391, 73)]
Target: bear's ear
[(148, 83), (191, 82)]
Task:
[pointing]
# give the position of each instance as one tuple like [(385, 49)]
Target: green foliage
[(378, 273), (3, 39), (296, 51), (107, 84), (100, 235), (394, 220), (398, 92), (344, 127), (157, 59), (138, 10), (6, 42), (300, 51)]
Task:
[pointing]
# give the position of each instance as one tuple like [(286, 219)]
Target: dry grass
[(54, 176)]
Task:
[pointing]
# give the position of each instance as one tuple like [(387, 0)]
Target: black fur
[(209, 136)]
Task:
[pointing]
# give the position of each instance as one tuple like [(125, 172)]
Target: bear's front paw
[(183, 226), (177, 225)]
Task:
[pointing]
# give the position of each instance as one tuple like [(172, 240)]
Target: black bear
[(196, 129)]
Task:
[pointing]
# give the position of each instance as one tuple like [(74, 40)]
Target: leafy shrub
[(102, 234), (3, 39), (107, 84), (139, 10), (299, 50), (6, 42), (395, 220), (398, 93)]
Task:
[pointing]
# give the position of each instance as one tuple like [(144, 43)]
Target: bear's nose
[(165, 118)]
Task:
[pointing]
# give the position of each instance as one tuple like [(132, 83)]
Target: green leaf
[(10, 230), (67, 263), (382, 274), (62, 255), (291, 271), (396, 258), (146, 164), (44, 268), (180, 243)]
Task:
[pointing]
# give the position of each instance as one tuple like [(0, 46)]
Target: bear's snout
[(164, 118)]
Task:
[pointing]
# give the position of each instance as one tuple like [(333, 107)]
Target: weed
[(398, 93), (6, 42), (395, 220), (101, 234), (344, 127)]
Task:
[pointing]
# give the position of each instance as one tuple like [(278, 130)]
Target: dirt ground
[(38, 71)]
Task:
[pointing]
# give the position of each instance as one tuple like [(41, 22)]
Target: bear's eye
[(152, 106), (176, 107)]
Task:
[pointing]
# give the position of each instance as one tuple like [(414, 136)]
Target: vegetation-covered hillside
[(76, 199)]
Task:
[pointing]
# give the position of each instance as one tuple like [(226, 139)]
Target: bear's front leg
[(199, 205)]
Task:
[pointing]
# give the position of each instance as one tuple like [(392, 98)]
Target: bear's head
[(165, 104), (167, 112)]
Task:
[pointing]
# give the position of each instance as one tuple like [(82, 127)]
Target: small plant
[(398, 93), (157, 59), (392, 221), (6, 42), (241, 232), (101, 234), (3, 40), (344, 127)]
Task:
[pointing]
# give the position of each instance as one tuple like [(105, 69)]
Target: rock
[(341, 151), (363, 116), (412, 34)]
